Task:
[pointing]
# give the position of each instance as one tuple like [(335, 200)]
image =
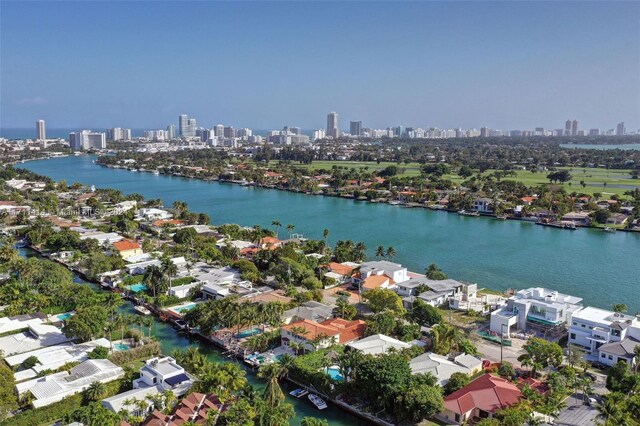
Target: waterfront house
[(128, 248), (394, 271), (482, 205), (603, 333), (438, 292), (619, 351), (480, 399), (378, 344), (19, 323), (151, 214), (578, 218), (57, 386), (617, 219), (377, 281), (102, 237), (341, 273), (534, 308), (441, 367), (317, 335), (165, 373)]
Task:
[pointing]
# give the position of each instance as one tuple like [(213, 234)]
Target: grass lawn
[(594, 178), (460, 318)]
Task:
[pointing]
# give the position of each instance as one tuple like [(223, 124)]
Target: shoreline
[(366, 200)]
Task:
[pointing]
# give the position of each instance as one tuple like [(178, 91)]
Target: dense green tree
[(424, 314), (456, 381), (87, 324), (540, 354), (381, 299), (434, 272)]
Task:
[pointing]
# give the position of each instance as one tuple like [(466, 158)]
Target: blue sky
[(263, 65)]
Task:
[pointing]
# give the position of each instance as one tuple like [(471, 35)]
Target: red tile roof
[(349, 330), (487, 393), (376, 281), (313, 328), (341, 269), (125, 245)]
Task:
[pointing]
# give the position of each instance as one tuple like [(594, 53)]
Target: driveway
[(577, 413)]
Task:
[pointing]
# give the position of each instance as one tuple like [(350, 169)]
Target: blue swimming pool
[(248, 333), (120, 346), (181, 309), (137, 288), (334, 373), (65, 316)]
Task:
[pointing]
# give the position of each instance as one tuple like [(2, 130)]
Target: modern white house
[(442, 367), (483, 205), (605, 335), (378, 344), (437, 293), (535, 308), (55, 387), (53, 357), (125, 401), (394, 271), (154, 214), (165, 373), (37, 336)]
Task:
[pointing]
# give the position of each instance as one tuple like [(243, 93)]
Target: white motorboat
[(142, 310), (317, 401)]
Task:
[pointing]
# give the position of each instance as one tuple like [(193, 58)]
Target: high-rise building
[(244, 133), (171, 131), (355, 128), (574, 128), (119, 134), (219, 130), (594, 132), (620, 130), (319, 134), (183, 122), (295, 130), (484, 132), (332, 125), (41, 133), (204, 134), (87, 139), (229, 132), (567, 128)]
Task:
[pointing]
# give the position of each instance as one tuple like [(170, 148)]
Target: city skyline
[(449, 65)]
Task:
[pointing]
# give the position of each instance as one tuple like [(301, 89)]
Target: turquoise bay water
[(600, 267)]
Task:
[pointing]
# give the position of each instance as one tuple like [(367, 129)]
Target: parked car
[(592, 402), (598, 365)]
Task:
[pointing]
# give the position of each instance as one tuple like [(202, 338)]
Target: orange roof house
[(270, 243), (168, 222), (313, 335), (376, 281), (128, 248), (480, 398), (194, 408), (341, 269)]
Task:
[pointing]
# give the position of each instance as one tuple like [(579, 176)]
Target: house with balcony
[(482, 205), (433, 292), (607, 336), (394, 271), (535, 309), (165, 373)]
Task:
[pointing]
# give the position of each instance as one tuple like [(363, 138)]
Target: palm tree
[(380, 252), (169, 268), (272, 395), (286, 363), (611, 406), (325, 235), (153, 277), (390, 253), (95, 391), (290, 229), (445, 338), (148, 322), (277, 225)]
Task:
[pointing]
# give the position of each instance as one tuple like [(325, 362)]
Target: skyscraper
[(332, 125), (219, 130), (574, 128), (41, 133), (171, 131), (87, 139), (567, 128), (620, 130), (484, 132), (119, 134), (183, 122), (355, 128)]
